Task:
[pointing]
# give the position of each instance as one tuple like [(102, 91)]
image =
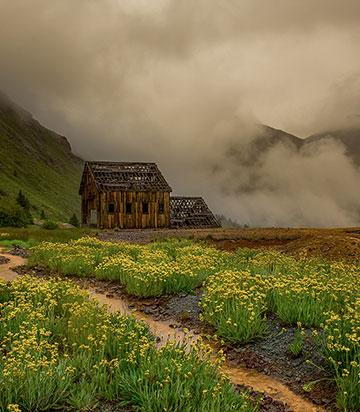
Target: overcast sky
[(165, 80)]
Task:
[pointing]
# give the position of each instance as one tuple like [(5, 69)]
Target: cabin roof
[(125, 176), (191, 212)]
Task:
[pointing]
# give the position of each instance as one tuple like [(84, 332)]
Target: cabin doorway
[(93, 218)]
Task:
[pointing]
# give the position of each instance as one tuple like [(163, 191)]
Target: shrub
[(50, 225), (13, 215)]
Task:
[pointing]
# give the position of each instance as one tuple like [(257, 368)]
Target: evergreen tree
[(74, 220), (42, 216), (23, 202)]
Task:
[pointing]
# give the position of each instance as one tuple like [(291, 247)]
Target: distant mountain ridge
[(349, 137), (267, 137), (39, 162)]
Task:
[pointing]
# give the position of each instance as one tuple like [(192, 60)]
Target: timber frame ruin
[(191, 212), (128, 195)]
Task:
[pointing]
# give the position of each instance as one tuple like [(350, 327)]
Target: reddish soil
[(334, 244)]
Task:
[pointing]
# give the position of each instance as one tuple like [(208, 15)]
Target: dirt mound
[(328, 247), (333, 244)]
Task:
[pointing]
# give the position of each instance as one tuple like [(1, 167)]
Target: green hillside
[(39, 162)]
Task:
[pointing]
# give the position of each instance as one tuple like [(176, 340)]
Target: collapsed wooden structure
[(136, 195), (191, 212)]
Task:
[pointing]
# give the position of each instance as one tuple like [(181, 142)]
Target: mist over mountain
[(258, 175), (349, 137), (276, 179)]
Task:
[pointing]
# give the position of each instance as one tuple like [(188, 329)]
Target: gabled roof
[(191, 212), (125, 176)]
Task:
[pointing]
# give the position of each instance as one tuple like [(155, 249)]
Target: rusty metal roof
[(125, 176)]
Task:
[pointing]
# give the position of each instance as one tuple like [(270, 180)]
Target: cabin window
[(111, 208), (145, 208), (161, 208), (128, 208)]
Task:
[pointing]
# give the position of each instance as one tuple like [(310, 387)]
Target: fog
[(186, 84)]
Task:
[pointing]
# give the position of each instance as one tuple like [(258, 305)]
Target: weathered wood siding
[(135, 219), (90, 200), (93, 200)]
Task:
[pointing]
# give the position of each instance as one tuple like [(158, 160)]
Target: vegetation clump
[(60, 350), (50, 225), (296, 346)]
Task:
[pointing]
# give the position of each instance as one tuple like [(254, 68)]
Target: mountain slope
[(350, 137), (268, 137), (39, 162)]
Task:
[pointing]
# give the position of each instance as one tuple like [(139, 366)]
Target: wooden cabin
[(192, 212), (124, 195)]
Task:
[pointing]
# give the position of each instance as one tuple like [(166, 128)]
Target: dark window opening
[(145, 208), (128, 208), (111, 208), (161, 208)]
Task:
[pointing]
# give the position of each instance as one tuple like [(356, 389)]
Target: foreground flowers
[(239, 290), (59, 350)]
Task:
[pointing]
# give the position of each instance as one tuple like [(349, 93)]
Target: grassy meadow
[(33, 235), (239, 290), (61, 351)]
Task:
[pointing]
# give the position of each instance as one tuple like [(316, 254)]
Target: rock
[(66, 226), (4, 260)]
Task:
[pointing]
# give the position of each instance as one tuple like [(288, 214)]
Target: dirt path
[(239, 375), (5, 269)]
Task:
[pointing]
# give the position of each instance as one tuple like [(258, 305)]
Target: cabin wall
[(136, 219), (90, 200)]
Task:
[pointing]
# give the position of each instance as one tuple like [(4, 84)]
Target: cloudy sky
[(173, 81)]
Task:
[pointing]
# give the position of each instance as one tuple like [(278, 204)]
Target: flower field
[(151, 270), (240, 289), (60, 350)]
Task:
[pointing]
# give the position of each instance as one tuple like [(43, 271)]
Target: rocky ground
[(18, 250), (4, 260)]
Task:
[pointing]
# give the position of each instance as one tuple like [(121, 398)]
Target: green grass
[(40, 163), (61, 351), (240, 289), (151, 270), (296, 346), (22, 243), (34, 235)]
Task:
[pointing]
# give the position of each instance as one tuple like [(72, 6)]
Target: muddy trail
[(165, 323)]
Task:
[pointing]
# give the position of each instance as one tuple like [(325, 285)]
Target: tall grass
[(240, 289), (61, 351), (34, 234), (151, 270)]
